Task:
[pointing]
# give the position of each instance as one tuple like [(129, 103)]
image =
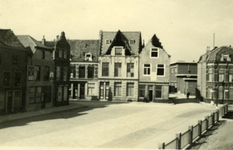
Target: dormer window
[(131, 41), (108, 41), (154, 52), (88, 57), (226, 57), (118, 51)]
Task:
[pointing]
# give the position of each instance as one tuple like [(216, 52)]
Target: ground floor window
[(158, 91), (91, 88), (35, 95), (130, 89), (117, 89), (59, 94), (142, 90), (65, 89)]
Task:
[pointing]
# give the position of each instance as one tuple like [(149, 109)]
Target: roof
[(8, 38), (155, 41), (78, 49), (188, 63), (213, 55), (29, 41), (124, 37)]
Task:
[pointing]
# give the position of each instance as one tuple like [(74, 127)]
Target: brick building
[(13, 71)]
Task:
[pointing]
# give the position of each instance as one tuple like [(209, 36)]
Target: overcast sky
[(185, 27)]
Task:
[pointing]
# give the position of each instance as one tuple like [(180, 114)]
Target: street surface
[(104, 125)]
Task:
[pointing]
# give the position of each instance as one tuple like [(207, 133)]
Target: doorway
[(82, 91), (150, 95)]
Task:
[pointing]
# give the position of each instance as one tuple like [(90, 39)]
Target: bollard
[(161, 146), (191, 135), (178, 142)]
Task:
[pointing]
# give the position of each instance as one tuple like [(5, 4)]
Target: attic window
[(226, 57), (88, 57), (108, 41), (131, 41), (154, 52), (118, 51)]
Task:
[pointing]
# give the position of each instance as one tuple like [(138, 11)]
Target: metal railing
[(184, 140)]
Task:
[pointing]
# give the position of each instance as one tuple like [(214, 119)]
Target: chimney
[(207, 49), (57, 37), (43, 41)]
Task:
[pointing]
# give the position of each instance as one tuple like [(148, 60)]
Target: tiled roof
[(78, 48), (106, 35), (29, 41), (8, 38), (155, 41)]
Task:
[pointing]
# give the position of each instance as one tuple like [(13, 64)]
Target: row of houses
[(33, 75)]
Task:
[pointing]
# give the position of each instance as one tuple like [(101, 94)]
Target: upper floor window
[(60, 53), (6, 79), (81, 71), (90, 71), (105, 69), (160, 69), (43, 54), (108, 41), (65, 53), (131, 41), (58, 73), (46, 73), (146, 69), (17, 79), (130, 69), (118, 51), (154, 52), (117, 72), (15, 60), (64, 73)]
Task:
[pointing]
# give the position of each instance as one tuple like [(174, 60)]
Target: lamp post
[(223, 91)]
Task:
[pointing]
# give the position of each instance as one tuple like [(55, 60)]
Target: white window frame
[(118, 47), (108, 41), (92, 87), (163, 70), (151, 52), (147, 71)]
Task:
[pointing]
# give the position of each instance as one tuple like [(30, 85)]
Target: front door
[(105, 91), (150, 95), (9, 102), (82, 91)]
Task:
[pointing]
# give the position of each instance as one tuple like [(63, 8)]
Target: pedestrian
[(188, 95)]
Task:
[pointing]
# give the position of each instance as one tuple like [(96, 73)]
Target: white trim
[(147, 67), (163, 71), (157, 52)]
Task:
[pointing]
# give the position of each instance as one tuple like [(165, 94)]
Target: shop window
[(105, 69), (154, 52), (35, 95), (117, 72), (37, 73), (117, 88), (130, 89), (90, 71), (17, 79), (130, 69), (58, 73), (160, 70), (158, 91), (46, 73), (81, 71), (142, 90), (6, 79), (146, 69), (91, 88)]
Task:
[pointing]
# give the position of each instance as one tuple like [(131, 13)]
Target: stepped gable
[(8, 38), (155, 41), (78, 49)]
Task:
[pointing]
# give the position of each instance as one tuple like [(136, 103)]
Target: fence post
[(190, 135), (199, 129), (178, 141), (212, 115), (161, 146), (207, 122)]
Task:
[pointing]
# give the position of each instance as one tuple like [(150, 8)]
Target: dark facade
[(183, 77), (40, 72), (215, 75), (84, 69), (13, 70)]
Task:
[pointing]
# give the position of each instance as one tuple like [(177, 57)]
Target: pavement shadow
[(229, 115), (64, 114), (181, 101)]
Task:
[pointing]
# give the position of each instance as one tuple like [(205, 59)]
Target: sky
[(185, 27)]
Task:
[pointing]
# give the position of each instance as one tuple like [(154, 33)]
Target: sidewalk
[(44, 111)]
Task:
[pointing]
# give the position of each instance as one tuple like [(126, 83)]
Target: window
[(17, 79), (91, 87), (105, 69), (88, 57), (146, 69), (81, 71), (43, 54), (130, 69), (65, 93), (130, 89), (117, 72), (15, 60), (160, 69), (108, 41), (158, 91), (58, 73), (60, 53), (131, 41), (231, 78), (46, 73), (117, 89), (154, 52), (221, 77), (37, 73), (38, 94), (142, 90), (73, 71), (118, 51), (65, 53), (35, 95), (90, 71), (6, 79), (64, 73)]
